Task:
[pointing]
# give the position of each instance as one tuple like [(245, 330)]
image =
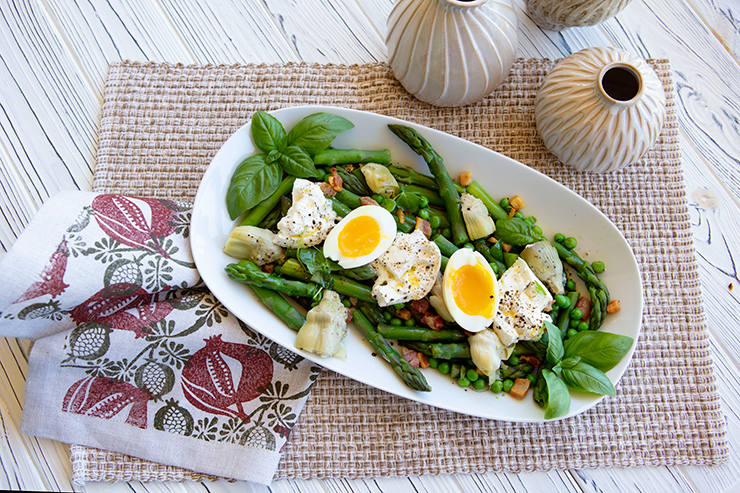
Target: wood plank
[(723, 18)]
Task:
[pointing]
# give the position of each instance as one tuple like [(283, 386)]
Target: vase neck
[(620, 83), (463, 4)]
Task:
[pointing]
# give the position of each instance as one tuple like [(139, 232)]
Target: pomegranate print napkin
[(133, 354)]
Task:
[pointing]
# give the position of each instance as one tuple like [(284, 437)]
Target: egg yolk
[(359, 237), (472, 289)]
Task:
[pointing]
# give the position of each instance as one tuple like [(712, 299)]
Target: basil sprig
[(579, 365), (515, 231), (258, 176)]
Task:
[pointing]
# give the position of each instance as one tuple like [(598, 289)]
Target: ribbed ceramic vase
[(451, 52), (555, 15), (600, 109)]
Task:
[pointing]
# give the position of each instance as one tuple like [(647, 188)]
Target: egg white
[(386, 224), (471, 323)]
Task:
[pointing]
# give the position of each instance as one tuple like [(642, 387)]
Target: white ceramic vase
[(451, 52), (555, 15), (600, 109)]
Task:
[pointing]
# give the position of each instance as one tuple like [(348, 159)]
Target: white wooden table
[(54, 55)]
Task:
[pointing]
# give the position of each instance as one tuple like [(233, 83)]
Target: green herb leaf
[(583, 377), (295, 161), (554, 344), (267, 131), (515, 231), (602, 350), (314, 261), (254, 181), (315, 132), (408, 201), (552, 395)]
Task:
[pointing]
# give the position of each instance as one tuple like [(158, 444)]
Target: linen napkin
[(133, 354)]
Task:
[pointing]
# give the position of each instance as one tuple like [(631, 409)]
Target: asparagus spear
[(410, 375), (494, 209), (439, 350), (341, 284), (481, 246), (409, 176), (331, 156), (280, 306), (355, 183), (247, 272), (403, 333), (563, 320), (445, 246), (446, 187)]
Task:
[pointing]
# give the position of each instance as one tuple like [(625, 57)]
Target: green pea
[(396, 321), (570, 243), (571, 333), (570, 285), (479, 384), (529, 221), (519, 214), (534, 219), (504, 203), (346, 303), (387, 316), (573, 323), (562, 301), (389, 205), (469, 246), (559, 237), (423, 213), (446, 233), (497, 386), (423, 202), (378, 198), (532, 379), (598, 266), (399, 306), (435, 221), (410, 322), (537, 230), (463, 382), (513, 361), (582, 326), (576, 314), (433, 362), (444, 367), (472, 375), (508, 384)]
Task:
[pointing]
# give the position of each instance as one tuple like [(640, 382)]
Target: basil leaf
[(253, 182), (324, 280), (602, 350), (267, 131), (583, 377), (515, 231), (295, 161), (314, 261), (553, 395), (408, 201), (554, 344), (315, 132)]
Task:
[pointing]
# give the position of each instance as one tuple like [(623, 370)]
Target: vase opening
[(464, 3), (620, 82)]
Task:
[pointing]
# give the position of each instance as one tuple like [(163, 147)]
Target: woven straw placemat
[(162, 124)]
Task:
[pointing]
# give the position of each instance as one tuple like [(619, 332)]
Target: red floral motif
[(138, 318), (52, 277), (208, 384), (105, 398), (110, 300), (133, 221)]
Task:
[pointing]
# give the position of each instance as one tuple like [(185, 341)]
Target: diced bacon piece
[(423, 361), (419, 307), (613, 307), (335, 180), (520, 388), (584, 304), (368, 201), (327, 190), (403, 314), (466, 178), (434, 322), (424, 226), (531, 359)]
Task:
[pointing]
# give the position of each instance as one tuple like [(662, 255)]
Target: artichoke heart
[(436, 299), (380, 180), (255, 244), (477, 221), (487, 351), (325, 328), (542, 258)]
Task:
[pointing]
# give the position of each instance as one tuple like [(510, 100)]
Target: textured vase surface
[(555, 15), (600, 109), (451, 52)]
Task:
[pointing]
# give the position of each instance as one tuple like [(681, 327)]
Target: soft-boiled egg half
[(470, 290), (361, 237)]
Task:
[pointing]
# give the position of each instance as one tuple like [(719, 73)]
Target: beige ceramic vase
[(451, 52), (555, 15), (600, 109)]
